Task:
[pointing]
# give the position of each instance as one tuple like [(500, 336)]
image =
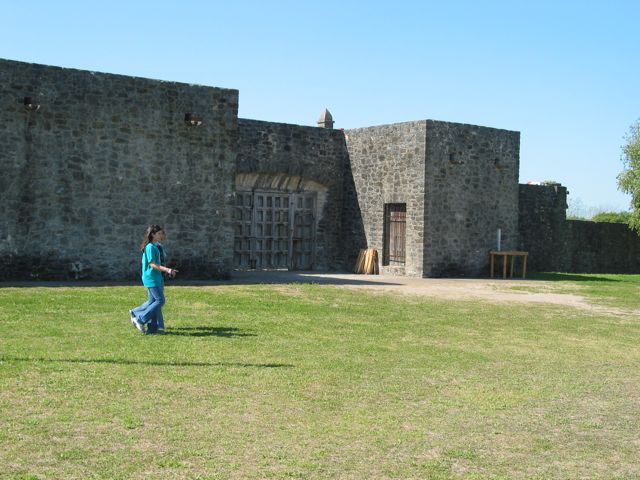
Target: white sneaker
[(139, 325), (132, 317)]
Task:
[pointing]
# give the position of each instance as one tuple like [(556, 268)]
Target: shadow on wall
[(40, 267), (352, 224), (54, 267)]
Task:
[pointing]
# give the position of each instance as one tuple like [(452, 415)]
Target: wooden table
[(506, 255)]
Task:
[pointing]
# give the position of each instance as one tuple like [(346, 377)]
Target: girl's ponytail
[(148, 235)]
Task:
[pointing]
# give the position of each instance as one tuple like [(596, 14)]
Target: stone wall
[(278, 155), (459, 182), (543, 229), (104, 156), (556, 244), (600, 247), (387, 165), (471, 191)]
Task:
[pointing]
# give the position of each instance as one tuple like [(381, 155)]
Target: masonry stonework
[(542, 226), (471, 191), (292, 158), (556, 244), (600, 247), (387, 164), (104, 156), (459, 183)]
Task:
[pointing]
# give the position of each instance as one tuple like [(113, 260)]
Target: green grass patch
[(310, 381), (622, 291)]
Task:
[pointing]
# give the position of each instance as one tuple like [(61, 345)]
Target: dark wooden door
[(395, 228)]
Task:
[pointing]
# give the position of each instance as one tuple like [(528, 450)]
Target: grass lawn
[(603, 288), (314, 382)]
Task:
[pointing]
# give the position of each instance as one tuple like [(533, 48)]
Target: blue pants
[(150, 312)]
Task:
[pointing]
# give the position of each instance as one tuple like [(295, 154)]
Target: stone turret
[(325, 120)]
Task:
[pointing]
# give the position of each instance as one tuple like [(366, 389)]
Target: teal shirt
[(150, 276)]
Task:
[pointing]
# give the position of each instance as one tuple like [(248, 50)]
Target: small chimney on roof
[(325, 120)]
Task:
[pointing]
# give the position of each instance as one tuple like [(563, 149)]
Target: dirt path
[(490, 290)]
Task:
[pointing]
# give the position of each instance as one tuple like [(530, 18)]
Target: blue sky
[(563, 73)]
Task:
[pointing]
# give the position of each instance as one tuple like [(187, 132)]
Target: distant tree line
[(629, 178), (610, 217)]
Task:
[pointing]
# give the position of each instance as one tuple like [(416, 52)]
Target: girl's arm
[(161, 268)]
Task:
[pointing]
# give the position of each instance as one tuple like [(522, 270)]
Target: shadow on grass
[(572, 277), (207, 332), (155, 363)]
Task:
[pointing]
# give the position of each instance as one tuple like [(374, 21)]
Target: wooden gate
[(395, 227), (303, 238), (274, 230)]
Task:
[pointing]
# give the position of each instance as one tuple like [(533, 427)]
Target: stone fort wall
[(104, 156), (471, 192), (387, 165), (279, 156), (459, 183), (556, 244), (542, 225)]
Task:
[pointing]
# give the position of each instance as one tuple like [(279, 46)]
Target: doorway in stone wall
[(395, 228), (274, 230)]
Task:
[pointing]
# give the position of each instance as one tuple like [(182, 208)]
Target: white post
[(498, 237)]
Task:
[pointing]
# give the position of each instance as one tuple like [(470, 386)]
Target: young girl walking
[(148, 317)]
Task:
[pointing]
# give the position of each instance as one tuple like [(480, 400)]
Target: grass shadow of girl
[(205, 331)]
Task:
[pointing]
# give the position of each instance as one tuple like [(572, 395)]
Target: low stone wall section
[(556, 244), (600, 247), (542, 226)]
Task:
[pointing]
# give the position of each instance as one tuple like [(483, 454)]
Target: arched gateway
[(275, 221)]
